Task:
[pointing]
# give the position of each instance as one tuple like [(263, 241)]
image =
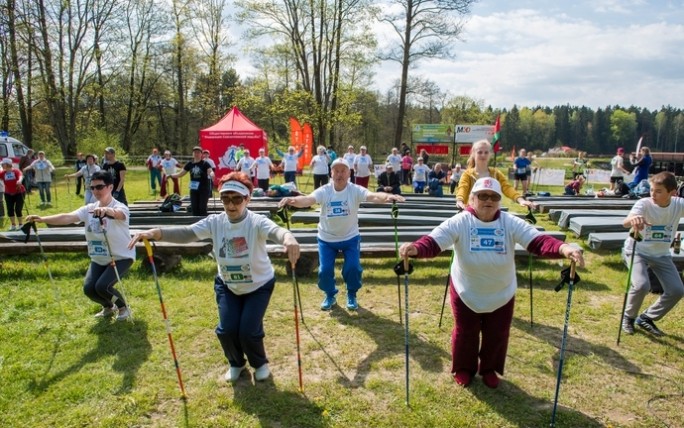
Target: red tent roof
[(233, 121)]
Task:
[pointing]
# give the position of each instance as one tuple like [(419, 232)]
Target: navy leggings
[(100, 281), (241, 323)]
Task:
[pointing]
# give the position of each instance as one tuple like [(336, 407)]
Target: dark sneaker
[(328, 303), (627, 324), (647, 324), (352, 304)]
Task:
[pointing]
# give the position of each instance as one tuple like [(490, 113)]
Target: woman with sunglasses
[(106, 215), (245, 278), (478, 167), (482, 277)]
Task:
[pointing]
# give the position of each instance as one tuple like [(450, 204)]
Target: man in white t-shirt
[(617, 168), (420, 173), (395, 159), (350, 157), (245, 164), (168, 166), (338, 230)]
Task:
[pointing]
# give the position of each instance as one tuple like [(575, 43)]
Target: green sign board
[(432, 133)]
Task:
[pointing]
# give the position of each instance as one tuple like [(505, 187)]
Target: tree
[(623, 127), (426, 29)]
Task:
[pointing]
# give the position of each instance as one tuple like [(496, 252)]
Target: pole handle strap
[(400, 269), (566, 277)]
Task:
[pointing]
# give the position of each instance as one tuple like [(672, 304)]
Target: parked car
[(11, 148)]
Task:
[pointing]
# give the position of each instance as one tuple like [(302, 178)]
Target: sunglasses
[(98, 187), (489, 197), (235, 199)]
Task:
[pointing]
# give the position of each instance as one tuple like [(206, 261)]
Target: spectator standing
[(406, 168), (641, 165), (153, 162), (332, 155), (436, 178), (363, 166), (521, 164), (24, 162), (456, 173), (617, 168), (42, 169), (289, 163), (426, 157), (395, 159), (168, 167), (338, 230), (245, 165), (263, 167), (319, 167), (350, 157), (201, 177), (420, 174), (14, 192), (80, 163), (117, 170), (86, 173)]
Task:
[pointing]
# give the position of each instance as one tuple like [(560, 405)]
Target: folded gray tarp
[(585, 203)]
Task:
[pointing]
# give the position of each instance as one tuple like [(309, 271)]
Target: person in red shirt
[(14, 192)]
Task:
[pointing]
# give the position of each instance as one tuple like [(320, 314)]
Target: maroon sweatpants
[(495, 328)]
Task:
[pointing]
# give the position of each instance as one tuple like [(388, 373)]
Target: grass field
[(60, 367)]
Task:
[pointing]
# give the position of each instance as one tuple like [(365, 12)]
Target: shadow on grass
[(125, 340), (275, 408), (389, 337), (574, 346), (508, 399)]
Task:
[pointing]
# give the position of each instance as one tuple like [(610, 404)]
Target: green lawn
[(60, 367)]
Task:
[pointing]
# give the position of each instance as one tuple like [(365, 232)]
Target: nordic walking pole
[(530, 218), (635, 237), (407, 270), (150, 257), (283, 215), (395, 214), (27, 230), (297, 303), (446, 290), (116, 270), (563, 341)]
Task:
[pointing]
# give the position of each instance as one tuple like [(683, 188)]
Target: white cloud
[(529, 57)]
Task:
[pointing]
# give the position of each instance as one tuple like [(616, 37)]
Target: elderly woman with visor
[(245, 279), (482, 277)]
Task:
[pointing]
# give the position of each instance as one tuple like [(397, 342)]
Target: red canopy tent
[(224, 138)]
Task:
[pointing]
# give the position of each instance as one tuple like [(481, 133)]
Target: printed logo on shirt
[(337, 209), (234, 247), (94, 225)]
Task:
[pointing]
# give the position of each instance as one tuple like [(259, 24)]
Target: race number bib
[(237, 274), (194, 185), (97, 248), (521, 171), (487, 239), (9, 175), (337, 209), (655, 233)]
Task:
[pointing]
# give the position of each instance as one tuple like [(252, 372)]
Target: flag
[(497, 136)]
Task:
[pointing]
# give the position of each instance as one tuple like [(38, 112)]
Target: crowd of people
[(481, 234)]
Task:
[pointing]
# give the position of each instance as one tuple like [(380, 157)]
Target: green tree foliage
[(623, 127)]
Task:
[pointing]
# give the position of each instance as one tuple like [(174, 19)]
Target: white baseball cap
[(487, 183), (339, 161)]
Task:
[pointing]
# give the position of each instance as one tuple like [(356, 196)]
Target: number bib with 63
[(658, 233), (487, 239)]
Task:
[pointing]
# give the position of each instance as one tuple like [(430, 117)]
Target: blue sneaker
[(352, 304), (328, 303)]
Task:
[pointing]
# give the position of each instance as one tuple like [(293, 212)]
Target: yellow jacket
[(469, 177)]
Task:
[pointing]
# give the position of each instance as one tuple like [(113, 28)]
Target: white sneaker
[(13, 227), (124, 314), (262, 373), (233, 373), (107, 312)]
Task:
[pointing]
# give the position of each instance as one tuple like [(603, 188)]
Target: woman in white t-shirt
[(263, 167), (319, 167), (245, 279), (106, 229), (363, 165), (350, 157), (482, 277)]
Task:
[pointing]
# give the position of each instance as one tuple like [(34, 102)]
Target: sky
[(593, 53)]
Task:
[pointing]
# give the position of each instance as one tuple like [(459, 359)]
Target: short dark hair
[(665, 179), (102, 175)]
